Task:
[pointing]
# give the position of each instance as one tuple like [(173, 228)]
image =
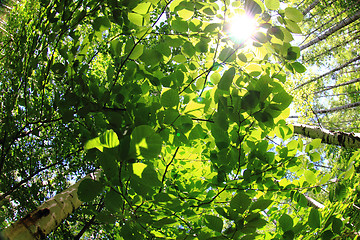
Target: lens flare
[(242, 27)]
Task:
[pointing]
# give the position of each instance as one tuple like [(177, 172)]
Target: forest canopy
[(174, 119)]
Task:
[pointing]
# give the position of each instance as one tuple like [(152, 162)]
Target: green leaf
[(135, 18), (146, 142), (227, 55), (337, 225), (226, 79), (170, 98), (315, 144), (252, 7), (240, 202), (101, 24), (138, 168), (250, 100), (261, 204), (314, 218), (142, 8), (108, 163), (293, 14), (288, 235), (89, 189), (150, 177), (260, 37), (113, 201), (164, 221), (298, 67), (286, 222), (214, 223), (109, 139), (310, 177), (272, 4), (340, 191), (58, 68), (137, 52), (162, 197), (179, 58), (315, 156), (283, 98), (179, 25), (293, 27), (185, 14), (327, 235)]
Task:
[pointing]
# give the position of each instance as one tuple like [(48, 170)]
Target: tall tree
[(178, 114)]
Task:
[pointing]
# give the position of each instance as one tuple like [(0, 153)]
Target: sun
[(242, 27)]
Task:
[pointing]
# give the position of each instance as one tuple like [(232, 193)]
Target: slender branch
[(168, 165)]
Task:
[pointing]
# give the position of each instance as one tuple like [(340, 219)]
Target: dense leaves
[(175, 112)]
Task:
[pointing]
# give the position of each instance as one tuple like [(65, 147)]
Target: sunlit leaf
[(293, 14), (272, 4)]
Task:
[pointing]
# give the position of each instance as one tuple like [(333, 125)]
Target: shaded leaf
[(214, 223)]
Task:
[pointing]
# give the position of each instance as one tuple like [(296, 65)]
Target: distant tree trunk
[(322, 25), (347, 140), (326, 51), (332, 30), (350, 105), (340, 94), (310, 7), (329, 72), (48, 216), (338, 85)]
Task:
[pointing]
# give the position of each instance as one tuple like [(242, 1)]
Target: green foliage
[(175, 113)]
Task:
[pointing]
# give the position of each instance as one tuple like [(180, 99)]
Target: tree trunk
[(340, 94), (48, 216), (310, 7), (350, 105), (332, 30), (347, 140), (329, 72), (326, 51), (338, 85)]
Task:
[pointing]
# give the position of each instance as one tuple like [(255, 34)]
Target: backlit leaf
[(272, 4), (293, 14)]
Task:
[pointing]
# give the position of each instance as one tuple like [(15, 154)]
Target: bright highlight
[(242, 27)]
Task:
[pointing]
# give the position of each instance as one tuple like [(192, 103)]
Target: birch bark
[(48, 216), (332, 30), (347, 140)]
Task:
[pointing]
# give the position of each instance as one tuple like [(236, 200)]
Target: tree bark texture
[(347, 140), (335, 109), (332, 30), (338, 85), (327, 50), (48, 216), (329, 72), (310, 7)]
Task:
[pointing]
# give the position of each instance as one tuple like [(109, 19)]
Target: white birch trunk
[(347, 140), (335, 109), (329, 72), (310, 7), (48, 216), (332, 30), (338, 85)]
